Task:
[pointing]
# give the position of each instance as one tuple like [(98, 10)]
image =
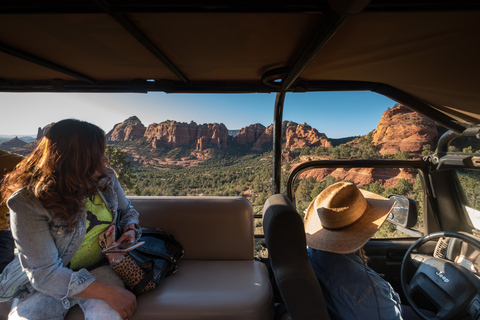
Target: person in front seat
[(338, 223)]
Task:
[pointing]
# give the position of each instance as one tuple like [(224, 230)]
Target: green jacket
[(8, 161)]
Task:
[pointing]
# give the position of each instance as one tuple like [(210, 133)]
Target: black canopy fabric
[(423, 52)]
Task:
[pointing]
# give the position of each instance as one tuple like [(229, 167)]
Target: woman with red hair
[(61, 198)]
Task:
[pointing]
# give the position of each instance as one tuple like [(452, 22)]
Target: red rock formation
[(171, 133), (365, 176), (407, 174), (296, 136), (128, 130), (211, 134), (265, 137), (318, 174), (401, 129), (303, 135), (174, 134), (387, 177), (289, 155), (250, 134)]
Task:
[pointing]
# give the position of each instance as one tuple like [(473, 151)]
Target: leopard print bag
[(131, 273), (143, 268)]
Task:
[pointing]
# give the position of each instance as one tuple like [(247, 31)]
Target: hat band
[(346, 226)]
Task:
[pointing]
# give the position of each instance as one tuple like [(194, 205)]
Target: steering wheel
[(451, 288)]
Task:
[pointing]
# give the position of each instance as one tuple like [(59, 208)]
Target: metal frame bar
[(132, 6), (449, 136), (44, 63), (143, 86), (187, 6), (131, 28), (328, 28), (277, 142)]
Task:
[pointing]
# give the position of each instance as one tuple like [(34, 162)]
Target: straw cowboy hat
[(342, 218)]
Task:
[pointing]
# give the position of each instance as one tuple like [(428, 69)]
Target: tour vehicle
[(421, 54)]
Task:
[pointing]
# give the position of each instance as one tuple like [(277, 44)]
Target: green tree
[(469, 149), (304, 190), (401, 155), (123, 168), (404, 187), (426, 149), (452, 149), (388, 191), (376, 187), (469, 182), (306, 151)]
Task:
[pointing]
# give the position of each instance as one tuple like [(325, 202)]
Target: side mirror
[(404, 213)]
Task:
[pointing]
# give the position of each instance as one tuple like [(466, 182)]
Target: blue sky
[(337, 114)]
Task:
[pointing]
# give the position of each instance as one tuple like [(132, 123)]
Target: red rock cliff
[(211, 134), (303, 135), (387, 177), (296, 136), (173, 134), (401, 129), (128, 130), (250, 134)]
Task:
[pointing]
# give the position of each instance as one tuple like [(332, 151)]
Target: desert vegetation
[(239, 171)]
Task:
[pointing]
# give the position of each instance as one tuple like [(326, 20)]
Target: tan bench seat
[(218, 277)]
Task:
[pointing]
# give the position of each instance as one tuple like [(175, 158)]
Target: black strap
[(143, 283)]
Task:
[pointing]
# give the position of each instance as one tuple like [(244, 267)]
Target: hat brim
[(353, 237)]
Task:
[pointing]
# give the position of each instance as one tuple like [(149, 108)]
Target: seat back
[(209, 228), (287, 252)]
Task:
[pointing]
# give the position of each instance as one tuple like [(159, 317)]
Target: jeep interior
[(422, 54)]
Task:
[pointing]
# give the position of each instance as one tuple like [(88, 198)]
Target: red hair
[(59, 172)]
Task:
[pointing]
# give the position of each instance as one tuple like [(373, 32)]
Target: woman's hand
[(121, 300), (128, 236)]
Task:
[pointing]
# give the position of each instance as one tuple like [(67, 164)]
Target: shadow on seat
[(287, 251)]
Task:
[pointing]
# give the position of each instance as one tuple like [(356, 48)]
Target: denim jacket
[(45, 246), (352, 290)]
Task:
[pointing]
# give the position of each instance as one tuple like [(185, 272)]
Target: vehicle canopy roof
[(425, 54)]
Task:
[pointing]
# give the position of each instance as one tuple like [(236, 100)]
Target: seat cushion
[(211, 290), (204, 289)]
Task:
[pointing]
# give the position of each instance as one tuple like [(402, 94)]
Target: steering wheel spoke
[(418, 258)]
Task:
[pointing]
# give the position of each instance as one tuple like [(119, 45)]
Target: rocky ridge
[(295, 135), (399, 129), (249, 134), (130, 129), (387, 177), (23, 148), (173, 134), (13, 143)]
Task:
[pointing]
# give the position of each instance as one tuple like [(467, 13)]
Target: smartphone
[(123, 247)]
